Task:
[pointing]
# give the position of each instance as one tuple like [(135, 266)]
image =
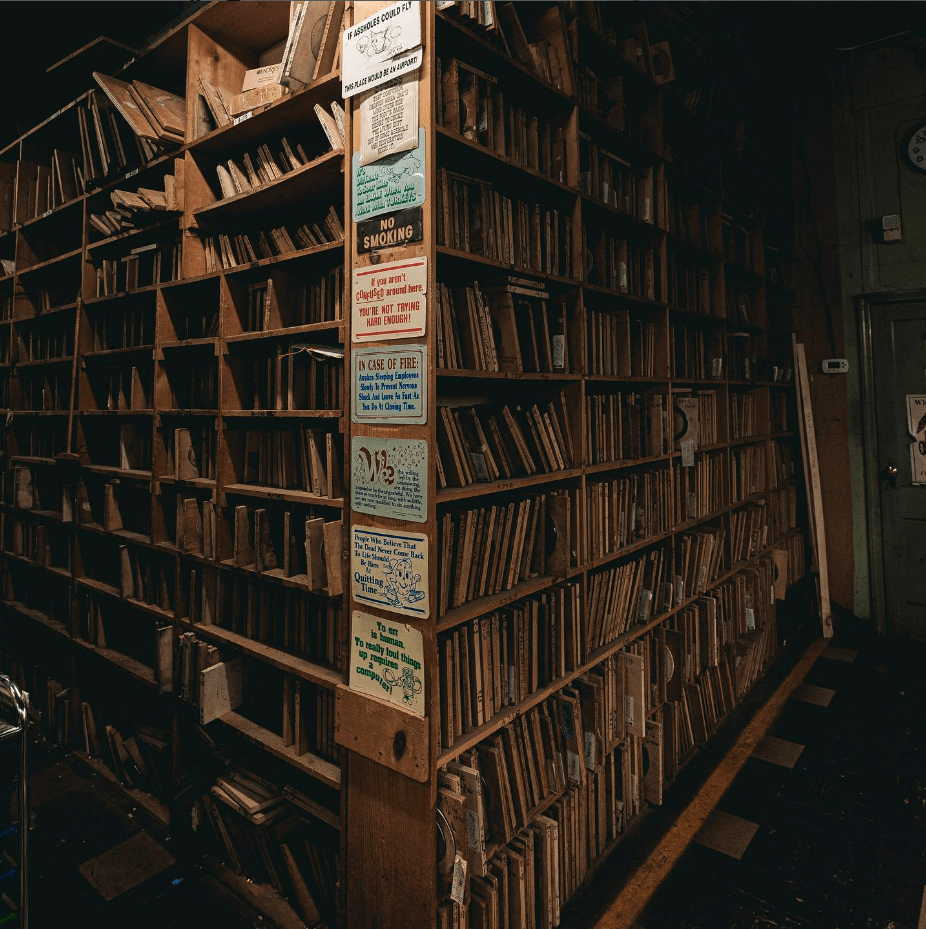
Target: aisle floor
[(823, 828), (96, 860)]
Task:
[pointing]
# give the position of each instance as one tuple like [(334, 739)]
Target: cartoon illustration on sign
[(408, 682), (380, 44), (402, 584)]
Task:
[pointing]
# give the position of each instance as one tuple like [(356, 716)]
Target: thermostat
[(834, 366)]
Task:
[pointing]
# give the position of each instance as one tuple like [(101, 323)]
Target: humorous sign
[(389, 300), (392, 183), (387, 661), (380, 47), (389, 477), (389, 385), (390, 570), (389, 119)]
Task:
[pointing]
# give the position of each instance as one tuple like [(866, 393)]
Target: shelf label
[(389, 385), (389, 570), (389, 301), (387, 661), (392, 231), (389, 477), (389, 119), (380, 47), (393, 183), (242, 117)]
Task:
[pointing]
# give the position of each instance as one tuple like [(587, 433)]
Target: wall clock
[(916, 148)]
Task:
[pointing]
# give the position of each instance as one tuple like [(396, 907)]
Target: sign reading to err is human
[(389, 570), (387, 661), (388, 301)]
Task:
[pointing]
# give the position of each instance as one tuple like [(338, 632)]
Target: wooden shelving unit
[(590, 566)]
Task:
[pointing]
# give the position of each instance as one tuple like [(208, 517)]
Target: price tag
[(459, 879), (243, 117), (47, 213), (131, 173)]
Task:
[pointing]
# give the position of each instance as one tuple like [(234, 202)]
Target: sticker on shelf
[(389, 385), (389, 477), (380, 47), (400, 228), (389, 570), (387, 661), (389, 301), (389, 119), (392, 183)]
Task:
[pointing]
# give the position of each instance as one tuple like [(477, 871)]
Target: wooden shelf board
[(74, 253), (302, 668), (275, 493), (319, 768), (313, 180), (478, 489), (244, 337), (145, 800), (283, 414)]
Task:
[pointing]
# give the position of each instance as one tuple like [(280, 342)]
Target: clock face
[(916, 148)]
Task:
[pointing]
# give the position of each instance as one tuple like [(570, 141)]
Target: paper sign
[(392, 231), (389, 301), (387, 661), (389, 119), (392, 183), (916, 424), (389, 385), (378, 47), (389, 570), (389, 477)]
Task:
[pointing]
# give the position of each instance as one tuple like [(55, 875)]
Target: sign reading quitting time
[(389, 301)]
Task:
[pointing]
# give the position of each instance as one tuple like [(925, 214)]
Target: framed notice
[(389, 385), (389, 477), (386, 44), (392, 183), (389, 119), (387, 661), (389, 570), (389, 301)]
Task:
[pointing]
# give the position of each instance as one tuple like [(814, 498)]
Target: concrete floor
[(98, 861), (824, 826)]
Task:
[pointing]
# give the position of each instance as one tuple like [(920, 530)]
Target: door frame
[(868, 306)]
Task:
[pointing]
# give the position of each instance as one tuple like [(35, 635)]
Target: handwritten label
[(242, 117), (389, 119), (389, 385), (389, 477), (387, 661), (688, 454), (380, 47), (389, 301), (392, 183), (389, 570)]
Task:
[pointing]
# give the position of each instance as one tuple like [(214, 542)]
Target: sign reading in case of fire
[(389, 570), (389, 385), (389, 477), (389, 301)]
